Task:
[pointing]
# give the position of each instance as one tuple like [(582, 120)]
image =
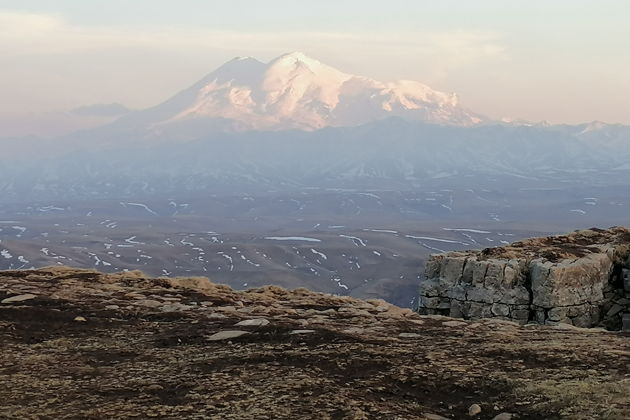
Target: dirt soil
[(77, 344)]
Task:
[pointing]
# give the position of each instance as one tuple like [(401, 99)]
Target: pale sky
[(560, 60)]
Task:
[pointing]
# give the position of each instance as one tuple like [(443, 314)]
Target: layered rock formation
[(81, 344), (579, 279)]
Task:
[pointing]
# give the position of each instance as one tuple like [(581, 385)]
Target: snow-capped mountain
[(293, 91), (298, 123)]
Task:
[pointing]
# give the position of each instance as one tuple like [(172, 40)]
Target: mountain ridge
[(292, 91), (392, 153)]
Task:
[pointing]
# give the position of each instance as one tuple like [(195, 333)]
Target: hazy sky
[(561, 60)]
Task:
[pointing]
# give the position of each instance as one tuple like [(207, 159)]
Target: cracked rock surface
[(90, 345), (578, 279)]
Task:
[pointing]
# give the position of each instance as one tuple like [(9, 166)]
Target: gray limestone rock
[(474, 409), (258, 322), (227, 335), (18, 298), (580, 279)]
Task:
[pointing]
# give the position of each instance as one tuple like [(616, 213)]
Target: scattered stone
[(259, 322), (503, 416), (296, 332), (474, 409), (80, 319), (112, 307), (18, 298), (226, 335), (408, 335)]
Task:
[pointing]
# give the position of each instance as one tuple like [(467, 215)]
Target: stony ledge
[(581, 279), (81, 344)]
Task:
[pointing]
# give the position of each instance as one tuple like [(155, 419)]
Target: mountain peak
[(243, 58), (296, 91), (240, 63), (296, 56), (295, 63)]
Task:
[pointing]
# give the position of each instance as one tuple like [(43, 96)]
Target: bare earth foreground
[(80, 344)]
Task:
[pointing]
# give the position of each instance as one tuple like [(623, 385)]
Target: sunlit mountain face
[(295, 91)]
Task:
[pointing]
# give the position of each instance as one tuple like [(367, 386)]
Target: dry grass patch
[(578, 399)]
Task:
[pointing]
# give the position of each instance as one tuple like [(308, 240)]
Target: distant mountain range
[(292, 91), (392, 154), (297, 123)]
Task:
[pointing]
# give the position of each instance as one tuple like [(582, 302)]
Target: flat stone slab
[(19, 298), (226, 335), (259, 322), (296, 332)]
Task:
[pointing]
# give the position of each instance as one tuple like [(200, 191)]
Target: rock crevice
[(579, 279)]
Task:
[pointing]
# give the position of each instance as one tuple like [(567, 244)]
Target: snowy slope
[(292, 91)]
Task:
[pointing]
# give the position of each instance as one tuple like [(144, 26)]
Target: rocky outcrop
[(579, 279)]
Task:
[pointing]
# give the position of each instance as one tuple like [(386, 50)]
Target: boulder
[(18, 298), (227, 335), (580, 279)]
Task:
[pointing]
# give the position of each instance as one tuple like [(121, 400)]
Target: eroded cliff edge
[(582, 279)]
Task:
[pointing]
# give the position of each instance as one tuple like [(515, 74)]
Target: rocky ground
[(80, 344), (573, 245)]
